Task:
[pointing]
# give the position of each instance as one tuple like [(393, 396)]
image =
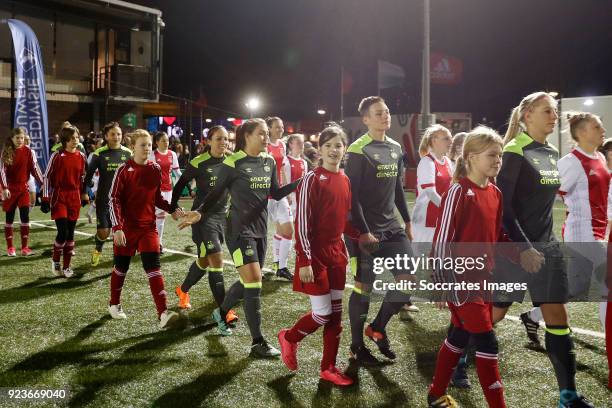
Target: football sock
[(560, 348), (283, 252), (252, 309), (217, 286), (196, 272), (359, 303)]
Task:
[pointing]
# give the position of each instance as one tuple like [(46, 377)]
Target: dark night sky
[(289, 52)]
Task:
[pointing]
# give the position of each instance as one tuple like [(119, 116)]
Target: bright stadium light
[(230, 119), (252, 104), (208, 120), (588, 102), (321, 112)]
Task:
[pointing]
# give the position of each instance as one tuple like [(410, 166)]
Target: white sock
[(602, 314), (535, 314), (283, 252), (275, 247), (159, 222), (91, 211)]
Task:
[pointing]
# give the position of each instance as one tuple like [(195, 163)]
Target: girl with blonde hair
[(529, 181), (471, 213), (434, 176)]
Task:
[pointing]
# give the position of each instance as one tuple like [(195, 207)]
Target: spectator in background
[(183, 155), (201, 146), (53, 141), (127, 141), (311, 155)]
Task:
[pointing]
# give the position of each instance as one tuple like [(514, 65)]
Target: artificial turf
[(56, 332)]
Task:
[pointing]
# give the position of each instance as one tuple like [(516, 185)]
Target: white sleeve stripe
[(303, 224), (446, 218), (610, 202), (303, 219), (3, 173), (47, 171), (113, 217), (441, 245), (36, 167)]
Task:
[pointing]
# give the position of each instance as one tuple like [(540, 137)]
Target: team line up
[(492, 192)]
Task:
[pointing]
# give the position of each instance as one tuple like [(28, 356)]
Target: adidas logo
[(62, 155), (470, 193), (130, 169), (323, 177), (496, 386), (592, 173), (443, 66), (439, 174)]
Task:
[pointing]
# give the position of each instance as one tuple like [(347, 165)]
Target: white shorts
[(421, 233), (293, 206), (159, 213), (279, 211)]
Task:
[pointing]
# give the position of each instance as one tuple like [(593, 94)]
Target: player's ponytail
[(477, 141), (8, 153), (515, 123), (460, 169)]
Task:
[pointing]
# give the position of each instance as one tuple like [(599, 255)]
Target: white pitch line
[(39, 221), (578, 330), (347, 286), (54, 227)]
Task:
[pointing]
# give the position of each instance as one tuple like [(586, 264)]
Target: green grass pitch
[(56, 333)]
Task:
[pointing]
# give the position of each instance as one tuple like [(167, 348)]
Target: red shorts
[(65, 204), (329, 268), (141, 240), (472, 317), (18, 199), (609, 274)]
